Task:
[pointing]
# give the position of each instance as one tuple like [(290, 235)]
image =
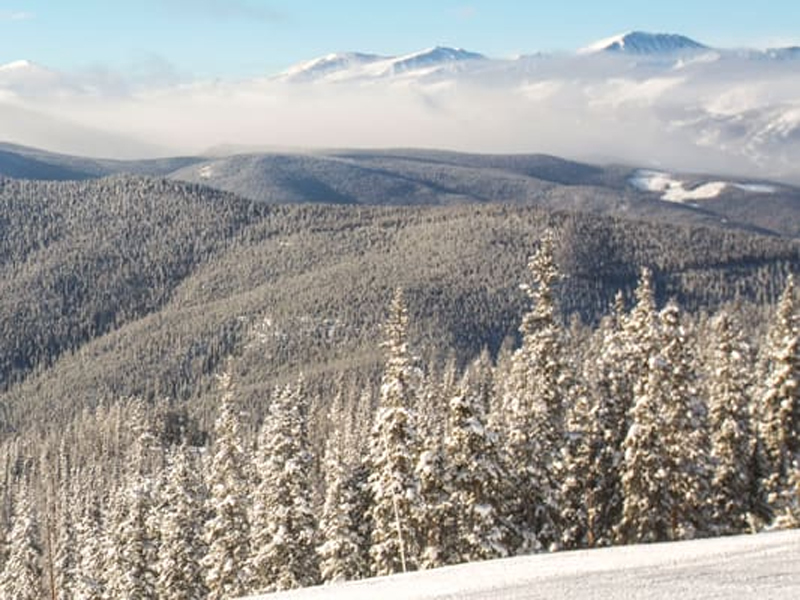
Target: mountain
[(788, 53), (642, 43), (424, 177), (22, 162), (436, 178), (326, 65), (129, 286), (645, 99), (356, 66)]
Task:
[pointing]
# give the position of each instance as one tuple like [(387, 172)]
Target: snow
[(756, 188), (752, 566), (604, 44), (675, 190), (350, 66), (17, 65), (639, 42)]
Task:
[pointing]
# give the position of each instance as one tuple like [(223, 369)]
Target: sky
[(228, 39)]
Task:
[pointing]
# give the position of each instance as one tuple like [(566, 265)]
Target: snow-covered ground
[(764, 566), (674, 190)]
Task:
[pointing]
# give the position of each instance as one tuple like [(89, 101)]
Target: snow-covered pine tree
[(535, 401), (646, 508), (90, 580), (780, 407), (611, 392), (639, 340), (685, 432), (66, 548), (393, 455), (474, 472), (340, 557), (730, 425), (579, 480), (182, 513), (22, 576), (434, 510), (132, 574), (227, 533), (284, 524), (133, 541)]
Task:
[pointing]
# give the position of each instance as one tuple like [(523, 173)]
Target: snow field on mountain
[(675, 190)]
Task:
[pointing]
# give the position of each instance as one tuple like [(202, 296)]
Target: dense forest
[(195, 402)]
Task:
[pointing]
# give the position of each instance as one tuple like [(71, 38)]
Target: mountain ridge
[(413, 177)]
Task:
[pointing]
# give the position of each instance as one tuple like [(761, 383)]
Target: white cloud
[(16, 15), (726, 118), (466, 12)]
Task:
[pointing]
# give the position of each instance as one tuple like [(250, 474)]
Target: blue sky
[(242, 38)]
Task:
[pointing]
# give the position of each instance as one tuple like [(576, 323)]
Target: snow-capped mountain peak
[(643, 43), (353, 65), (330, 63), (16, 65), (22, 67)]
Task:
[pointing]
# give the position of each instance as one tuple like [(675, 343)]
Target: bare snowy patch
[(676, 190)]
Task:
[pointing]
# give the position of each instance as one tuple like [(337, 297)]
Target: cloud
[(724, 117), (16, 15), (466, 12), (226, 9)]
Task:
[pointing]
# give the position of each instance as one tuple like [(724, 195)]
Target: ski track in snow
[(764, 566)]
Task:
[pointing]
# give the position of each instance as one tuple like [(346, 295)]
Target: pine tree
[(22, 576), (646, 507), (227, 533), (393, 455), (579, 482), (66, 548), (180, 575), (685, 429), (133, 574), (340, 548), (133, 539), (284, 524), (435, 508), (611, 392), (780, 407), (474, 473), (730, 426), (90, 581), (536, 404)]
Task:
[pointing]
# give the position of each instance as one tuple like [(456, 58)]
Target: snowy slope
[(356, 66), (765, 566), (640, 42), (676, 190)]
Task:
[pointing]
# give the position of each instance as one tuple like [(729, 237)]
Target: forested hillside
[(180, 363), (413, 177)]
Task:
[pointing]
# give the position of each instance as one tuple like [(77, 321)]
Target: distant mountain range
[(357, 65), (660, 100), (434, 178)]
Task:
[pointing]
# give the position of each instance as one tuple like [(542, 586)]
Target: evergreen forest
[(204, 396)]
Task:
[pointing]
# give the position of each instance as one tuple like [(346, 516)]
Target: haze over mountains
[(675, 101)]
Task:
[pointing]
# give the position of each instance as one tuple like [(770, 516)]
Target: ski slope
[(764, 566)]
